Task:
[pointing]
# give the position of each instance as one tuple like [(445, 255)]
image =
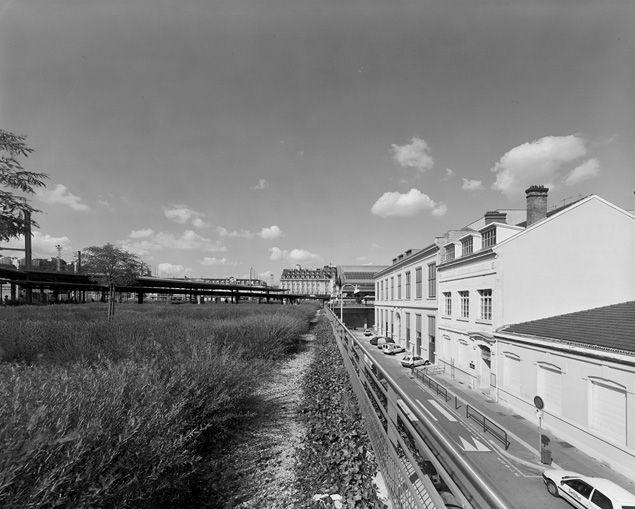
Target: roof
[(557, 209), (608, 327)]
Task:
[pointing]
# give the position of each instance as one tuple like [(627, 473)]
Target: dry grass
[(98, 414)]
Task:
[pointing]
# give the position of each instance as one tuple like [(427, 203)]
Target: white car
[(411, 361), (392, 348), (587, 492)]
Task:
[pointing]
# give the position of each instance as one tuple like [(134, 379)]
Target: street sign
[(540, 404)]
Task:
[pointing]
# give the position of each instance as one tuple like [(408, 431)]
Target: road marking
[(447, 414), (468, 447), (406, 410), (426, 410)]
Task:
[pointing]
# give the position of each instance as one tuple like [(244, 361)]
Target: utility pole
[(59, 256)]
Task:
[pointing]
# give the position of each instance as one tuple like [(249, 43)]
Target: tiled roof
[(606, 327)]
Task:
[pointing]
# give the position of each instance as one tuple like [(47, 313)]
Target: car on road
[(378, 341), (392, 348), (411, 361), (584, 492), (368, 332)]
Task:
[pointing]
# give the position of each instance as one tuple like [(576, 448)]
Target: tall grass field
[(126, 413)]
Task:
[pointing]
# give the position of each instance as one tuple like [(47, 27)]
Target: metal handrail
[(487, 424), (475, 490)]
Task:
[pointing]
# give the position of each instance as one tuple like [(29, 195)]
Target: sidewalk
[(524, 438)]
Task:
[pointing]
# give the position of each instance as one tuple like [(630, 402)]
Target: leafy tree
[(111, 266), (13, 177)]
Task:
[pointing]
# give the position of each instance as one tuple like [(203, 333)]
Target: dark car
[(375, 340)]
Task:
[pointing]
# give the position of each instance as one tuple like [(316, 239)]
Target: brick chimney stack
[(536, 204)]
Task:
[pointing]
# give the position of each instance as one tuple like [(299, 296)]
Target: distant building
[(582, 365), (360, 277), (308, 281), (233, 281)]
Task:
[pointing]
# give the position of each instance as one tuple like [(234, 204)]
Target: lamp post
[(355, 290)]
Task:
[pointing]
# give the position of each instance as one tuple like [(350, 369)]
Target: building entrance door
[(485, 368)]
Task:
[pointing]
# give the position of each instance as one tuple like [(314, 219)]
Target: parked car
[(375, 340), (583, 492), (392, 348), (368, 332), (411, 361)]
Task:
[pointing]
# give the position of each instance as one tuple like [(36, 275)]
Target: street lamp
[(355, 290)]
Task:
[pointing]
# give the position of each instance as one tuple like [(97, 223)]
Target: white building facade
[(582, 365), (301, 281), (406, 301), (575, 258)]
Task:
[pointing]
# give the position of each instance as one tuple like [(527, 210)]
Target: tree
[(13, 177), (110, 266)]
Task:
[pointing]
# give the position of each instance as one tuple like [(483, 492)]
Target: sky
[(216, 138)]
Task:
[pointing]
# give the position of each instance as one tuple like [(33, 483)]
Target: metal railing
[(488, 425), (407, 462)]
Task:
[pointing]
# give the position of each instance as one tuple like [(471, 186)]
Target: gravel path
[(268, 474)]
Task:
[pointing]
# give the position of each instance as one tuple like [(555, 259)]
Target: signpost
[(540, 404)]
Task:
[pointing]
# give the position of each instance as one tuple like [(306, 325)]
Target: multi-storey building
[(406, 301), (309, 281), (357, 278), (575, 257)]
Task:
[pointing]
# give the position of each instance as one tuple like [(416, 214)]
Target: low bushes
[(120, 414), (336, 457)]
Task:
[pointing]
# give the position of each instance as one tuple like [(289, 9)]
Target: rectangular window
[(465, 304), (486, 304), (467, 246), (489, 238), (418, 282), (449, 252), (447, 297), (407, 285), (432, 280), (511, 373), (399, 286), (392, 288), (432, 328), (381, 290), (408, 332), (377, 290)]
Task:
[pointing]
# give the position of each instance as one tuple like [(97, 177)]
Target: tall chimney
[(494, 216), (536, 204)]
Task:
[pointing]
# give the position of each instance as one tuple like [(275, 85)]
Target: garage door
[(550, 388), (608, 410)]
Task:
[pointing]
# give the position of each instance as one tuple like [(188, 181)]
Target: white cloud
[(395, 204), (210, 260), (262, 184), (181, 214), (271, 232), (585, 171), (294, 256), (536, 162), (60, 195), (413, 155), (448, 174), (171, 270), (472, 185), (188, 240), (241, 234), (141, 234)]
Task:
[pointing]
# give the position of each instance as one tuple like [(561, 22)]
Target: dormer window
[(489, 238), (467, 245), (449, 252)]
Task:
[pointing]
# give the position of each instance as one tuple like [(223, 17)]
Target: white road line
[(477, 447), (426, 410), (447, 414)]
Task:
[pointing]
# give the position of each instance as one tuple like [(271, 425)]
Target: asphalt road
[(519, 484)]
